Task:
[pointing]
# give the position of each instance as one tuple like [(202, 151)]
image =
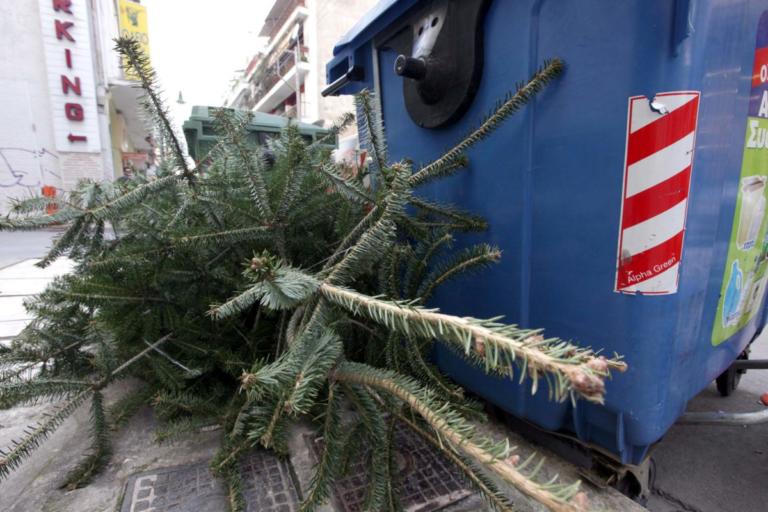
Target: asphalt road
[(710, 468)]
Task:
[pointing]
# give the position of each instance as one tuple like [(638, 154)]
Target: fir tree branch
[(141, 354), (427, 372), (133, 197), (98, 297), (458, 163), (551, 70), (471, 258), (344, 246), (371, 128), (251, 162), (230, 236), (11, 457), (373, 419), (64, 242), (459, 434), (341, 124), (487, 488), (16, 372), (499, 346), (37, 390), (38, 204), (138, 62), (101, 448), (425, 250), (327, 468), (38, 222), (225, 464), (236, 498), (282, 288), (371, 244), (393, 503), (460, 218), (348, 187), (297, 170)]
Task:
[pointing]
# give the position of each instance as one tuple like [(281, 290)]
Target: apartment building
[(286, 78)]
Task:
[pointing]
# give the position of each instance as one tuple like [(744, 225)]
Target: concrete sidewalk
[(18, 282)]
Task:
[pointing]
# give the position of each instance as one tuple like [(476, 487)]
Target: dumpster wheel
[(729, 380)]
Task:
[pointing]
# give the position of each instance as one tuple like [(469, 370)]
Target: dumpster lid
[(205, 113), (364, 28)]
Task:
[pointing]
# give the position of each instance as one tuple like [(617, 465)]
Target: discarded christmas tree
[(275, 282)]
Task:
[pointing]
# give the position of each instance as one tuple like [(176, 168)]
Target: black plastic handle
[(353, 74)]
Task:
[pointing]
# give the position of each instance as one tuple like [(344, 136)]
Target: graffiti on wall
[(27, 168), (24, 172)]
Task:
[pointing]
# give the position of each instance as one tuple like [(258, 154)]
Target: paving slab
[(21, 280), (12, 309), (9, 329), (27, 269), (10, 287), (19, 245)]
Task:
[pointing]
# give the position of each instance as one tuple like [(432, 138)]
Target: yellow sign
[(132, 21)]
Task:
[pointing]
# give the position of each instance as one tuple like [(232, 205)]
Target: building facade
[(70, 112), (287, 77)]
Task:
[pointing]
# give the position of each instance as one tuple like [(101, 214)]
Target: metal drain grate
[(267, 483), (427, 481), (175, 489), (267, 487)]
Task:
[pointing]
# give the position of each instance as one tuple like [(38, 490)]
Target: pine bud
[(513, 460), (479, 346), (536, 338), (248, 380), (257, 263), (587, 384), (598, 365)]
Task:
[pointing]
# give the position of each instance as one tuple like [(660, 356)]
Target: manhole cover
[(427, 481), (267, 487)]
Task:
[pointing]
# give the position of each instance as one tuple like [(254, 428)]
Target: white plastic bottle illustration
[(752, 211), (733, 292)]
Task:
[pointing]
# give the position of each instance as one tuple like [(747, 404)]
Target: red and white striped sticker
[(661, 136)]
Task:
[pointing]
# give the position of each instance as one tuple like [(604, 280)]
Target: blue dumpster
[(629, 198)]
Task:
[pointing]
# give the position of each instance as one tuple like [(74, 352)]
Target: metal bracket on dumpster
[(440, 59)]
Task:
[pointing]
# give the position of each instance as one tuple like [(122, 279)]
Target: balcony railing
[(279, 15), (264, 81)]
